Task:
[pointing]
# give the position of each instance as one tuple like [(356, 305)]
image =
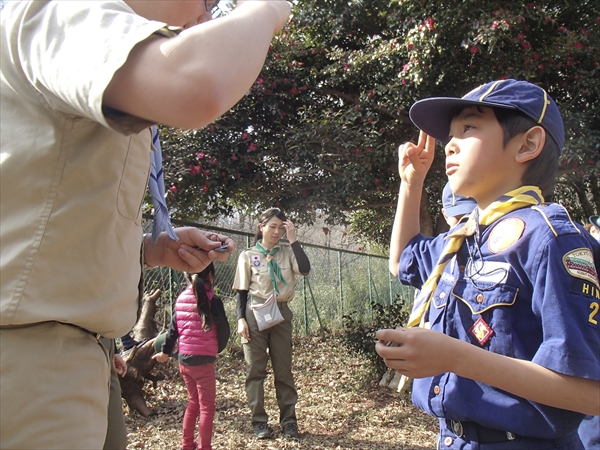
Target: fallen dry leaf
[(336, 408)]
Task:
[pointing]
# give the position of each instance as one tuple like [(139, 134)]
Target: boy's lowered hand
[(414, 161), (417, 352)]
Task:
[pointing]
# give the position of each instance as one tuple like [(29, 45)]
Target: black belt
[(485, 435)]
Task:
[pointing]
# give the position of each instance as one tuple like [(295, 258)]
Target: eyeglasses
[(211, 5)]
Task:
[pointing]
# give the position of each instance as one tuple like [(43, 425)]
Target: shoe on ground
[(291, 430), (262, 430)]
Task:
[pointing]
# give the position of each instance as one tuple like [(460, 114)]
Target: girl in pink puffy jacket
[(198, 315)]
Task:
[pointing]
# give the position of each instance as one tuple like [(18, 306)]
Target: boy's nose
[(451, 148)]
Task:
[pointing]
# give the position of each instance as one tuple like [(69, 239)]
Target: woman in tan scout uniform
[(266, 268)]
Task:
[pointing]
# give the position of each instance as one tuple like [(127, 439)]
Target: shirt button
[(442, 294), (436, 390), (448, 441), (479, 298)]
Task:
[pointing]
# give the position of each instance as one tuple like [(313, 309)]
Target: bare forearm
[(406, 222), (528, 380), (200, 74)]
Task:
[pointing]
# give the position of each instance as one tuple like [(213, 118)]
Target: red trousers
[(201, 386)]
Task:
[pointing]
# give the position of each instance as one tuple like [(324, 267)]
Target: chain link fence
[(340, 282)]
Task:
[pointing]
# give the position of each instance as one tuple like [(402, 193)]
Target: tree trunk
[(139, 358), (394, 380)]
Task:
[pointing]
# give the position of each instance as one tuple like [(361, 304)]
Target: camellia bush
[(320, 127)]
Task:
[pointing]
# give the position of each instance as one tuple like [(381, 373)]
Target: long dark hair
[(265, 217), (198, 280)]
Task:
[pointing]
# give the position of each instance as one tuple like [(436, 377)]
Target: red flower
[(205, 188), (563, 28), (294, 91), (377, 180), (371, 93), (357, 151), (578, 45), (213, 162), (525, 45), (200, 155), (260, 81), (173, 189), (410, 46), (368, 150), (430, 23), (234, 158), (245, 135), (252, 147), (206, 172), (474, 49)]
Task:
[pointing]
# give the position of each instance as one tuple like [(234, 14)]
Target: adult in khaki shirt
[(266, 268), (80, 83)]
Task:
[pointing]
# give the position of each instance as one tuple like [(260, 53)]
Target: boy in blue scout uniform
[(507, 348)]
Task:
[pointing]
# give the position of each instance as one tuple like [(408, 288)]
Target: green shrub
[(359, 337)]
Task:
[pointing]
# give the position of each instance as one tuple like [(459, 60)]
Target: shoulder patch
[(580, 264), (506, 234)]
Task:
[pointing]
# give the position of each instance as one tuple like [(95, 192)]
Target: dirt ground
[(337, 409)]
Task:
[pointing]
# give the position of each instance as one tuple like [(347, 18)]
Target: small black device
[(222, 248)]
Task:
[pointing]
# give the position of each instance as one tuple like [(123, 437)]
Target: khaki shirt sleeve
[(243, 273)]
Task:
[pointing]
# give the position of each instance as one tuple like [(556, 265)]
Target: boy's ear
[(532, 144)]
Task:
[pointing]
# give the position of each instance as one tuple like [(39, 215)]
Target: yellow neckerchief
[(516, 199)]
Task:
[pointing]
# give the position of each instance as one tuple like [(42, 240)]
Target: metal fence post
[(369, 283), (340, 283), (305, 306)]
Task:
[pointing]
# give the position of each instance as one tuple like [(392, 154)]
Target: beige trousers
[(54, 388)]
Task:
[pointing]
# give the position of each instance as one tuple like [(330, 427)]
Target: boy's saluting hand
[(414, 161)]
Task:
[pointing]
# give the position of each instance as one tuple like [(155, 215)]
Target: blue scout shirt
[(534, 295)]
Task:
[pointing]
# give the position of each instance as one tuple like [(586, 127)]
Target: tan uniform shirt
[(72, 178), (252, 273)]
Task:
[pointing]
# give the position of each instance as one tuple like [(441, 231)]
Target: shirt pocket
[(439, 301), (134, 179), (480, 301)]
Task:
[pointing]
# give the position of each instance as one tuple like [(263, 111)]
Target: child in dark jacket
[(198, 313)]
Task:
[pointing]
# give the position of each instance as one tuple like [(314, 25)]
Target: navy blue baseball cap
[(595, 220), (433, 115), (456, 205)]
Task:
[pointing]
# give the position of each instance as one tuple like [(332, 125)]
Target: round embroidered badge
[(506, 234)]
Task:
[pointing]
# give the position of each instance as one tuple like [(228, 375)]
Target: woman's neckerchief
[(513, 200), (274, 270)]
